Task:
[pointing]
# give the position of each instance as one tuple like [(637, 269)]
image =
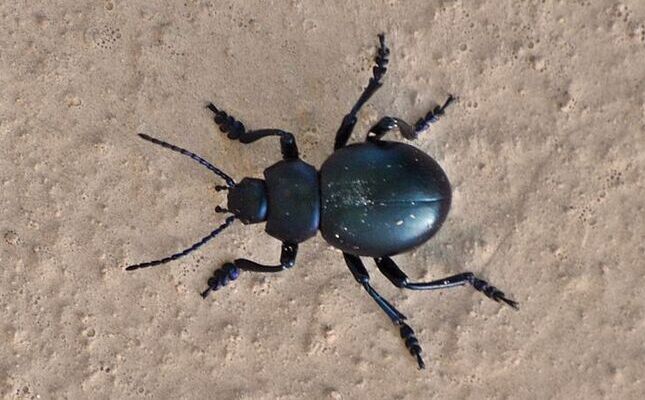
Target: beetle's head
[(248, 201)]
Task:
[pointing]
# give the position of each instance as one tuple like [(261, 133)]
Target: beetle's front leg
[(388, 267), (235, 130), (230, 271)]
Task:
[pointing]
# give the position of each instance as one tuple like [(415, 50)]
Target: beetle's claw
[(422, 365), (512, 303), (381, 39), (498, 296)]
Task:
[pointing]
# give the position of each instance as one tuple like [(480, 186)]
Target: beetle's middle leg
[(349, 121), (235, 130), (410, 132), (230, 271), (388, 267), (407, 333)]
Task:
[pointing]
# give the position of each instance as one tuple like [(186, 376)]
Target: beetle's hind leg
[(407, 333), (386, 124), (230, 271), (388, 267)]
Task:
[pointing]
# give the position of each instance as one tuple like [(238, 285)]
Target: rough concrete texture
[(545, 150)]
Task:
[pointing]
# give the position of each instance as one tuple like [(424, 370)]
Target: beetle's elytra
[(372, 199)]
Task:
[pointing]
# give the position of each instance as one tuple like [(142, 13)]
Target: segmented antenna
[(229, 181), (182, 253)]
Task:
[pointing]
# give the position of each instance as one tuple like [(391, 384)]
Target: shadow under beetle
[(372, 199)]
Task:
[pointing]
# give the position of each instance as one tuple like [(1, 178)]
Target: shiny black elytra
[(372, 199)]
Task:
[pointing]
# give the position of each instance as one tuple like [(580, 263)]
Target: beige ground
[(545, 151)]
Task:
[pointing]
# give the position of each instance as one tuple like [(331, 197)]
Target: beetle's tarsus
[(227, 124), (490, 291), (221, 277), (432, 116), (412, 343), (382, 60)]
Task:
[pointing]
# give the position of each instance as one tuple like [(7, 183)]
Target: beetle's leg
[(230, 271), (388, 267), (349, 121), (287, 260), (407, 333), (432, 116), (221, 277), (235, 131), (386, 124), (227, 124), (287, 141)]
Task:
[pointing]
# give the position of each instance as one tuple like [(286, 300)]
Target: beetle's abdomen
[(294, 201), (381, 199)]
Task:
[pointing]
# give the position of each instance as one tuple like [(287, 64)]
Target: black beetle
[(373, 199)]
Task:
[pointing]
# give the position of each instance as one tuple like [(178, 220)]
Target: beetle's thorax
[(288, 200)]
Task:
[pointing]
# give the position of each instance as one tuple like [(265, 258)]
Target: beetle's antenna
[(229, 181), (182, 253)]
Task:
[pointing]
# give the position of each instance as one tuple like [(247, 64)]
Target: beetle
[(372, 199)]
